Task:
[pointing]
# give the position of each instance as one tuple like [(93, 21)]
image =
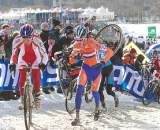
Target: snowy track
[(52, 115)]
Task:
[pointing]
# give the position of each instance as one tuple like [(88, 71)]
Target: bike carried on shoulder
[(152, 91), (71, 81), (68, 80), (28, 98)]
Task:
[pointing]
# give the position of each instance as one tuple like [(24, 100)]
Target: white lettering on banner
[(134, 81), (8, 77), (119, 78), (3, 73), (15, 80), (135, 77), (132, 78), (136, 86), (51, 70)]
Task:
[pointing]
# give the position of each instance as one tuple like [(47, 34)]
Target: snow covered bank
[(52, 115)]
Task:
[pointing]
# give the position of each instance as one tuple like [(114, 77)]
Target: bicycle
[(68, 80), (152, 91), (111, 32), (28, 98), (71, 91), (145, 72)]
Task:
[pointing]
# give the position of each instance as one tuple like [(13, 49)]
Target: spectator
[(44, 34), (66, 40), (54, 36), (130, 57), (2, 41), (8, 45), (138, 62), (6, 30)]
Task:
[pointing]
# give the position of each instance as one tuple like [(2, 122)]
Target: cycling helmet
[(69, 30), (69, 27), (54, 21), (155, 52), (81, 32), (44, 26), (26, 30)]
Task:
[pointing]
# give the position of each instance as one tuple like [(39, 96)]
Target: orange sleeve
[(126, 59), (109, 54), (72, 60), (76, 47)]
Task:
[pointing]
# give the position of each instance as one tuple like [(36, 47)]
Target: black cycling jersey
[(54, 35), (63, 43), (44, 36)]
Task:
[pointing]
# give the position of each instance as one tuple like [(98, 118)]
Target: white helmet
[(81, 31), (44, 26)]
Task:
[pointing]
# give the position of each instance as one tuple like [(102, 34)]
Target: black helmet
[(54, 21), (69, 30), (155, 52), (69, 27)]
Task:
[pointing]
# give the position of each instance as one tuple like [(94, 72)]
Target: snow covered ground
[(53, 116)]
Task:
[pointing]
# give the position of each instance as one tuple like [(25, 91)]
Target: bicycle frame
[(28, 102)]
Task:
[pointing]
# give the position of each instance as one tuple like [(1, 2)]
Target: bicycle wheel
[(27, 107), (158, 94), (64, 78), (70, 98), (150, 93), (145, 75), (111, 32), (88, 94)]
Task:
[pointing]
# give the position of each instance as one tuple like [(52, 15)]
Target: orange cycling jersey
[(89, 50)]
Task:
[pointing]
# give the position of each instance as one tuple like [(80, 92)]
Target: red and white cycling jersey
[(156, 66), (33, 53)]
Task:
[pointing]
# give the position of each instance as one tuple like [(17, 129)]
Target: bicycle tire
[(158, 95), (149, 93), (158, 99), (87, 93), (145, 75), (27, 107), (69, 104), (115, 27), (60, 74)]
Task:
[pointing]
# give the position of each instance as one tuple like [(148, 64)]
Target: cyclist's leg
[(110, 91), (95, 88), (107, 72), (96, 74), (21, 82), (80, 89), (109, 86), (36, 83), (101, 88)]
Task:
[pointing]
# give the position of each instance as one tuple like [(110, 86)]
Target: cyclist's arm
[(15, 52), (42, 50), (75, 52), (108, 56), (44, 55)]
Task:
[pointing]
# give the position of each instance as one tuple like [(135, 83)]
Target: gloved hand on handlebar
[(12, 67), (99, 65), (42, 66), (102, 63), (51, 62)]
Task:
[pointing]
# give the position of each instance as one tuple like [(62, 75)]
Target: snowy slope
[(52, 115)]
